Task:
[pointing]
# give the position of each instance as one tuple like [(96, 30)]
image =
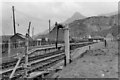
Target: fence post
[(67, 45), (26, 56), (9, 48)]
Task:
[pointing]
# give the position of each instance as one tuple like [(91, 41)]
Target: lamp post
[(58, 27), (57, 35), (66, 40)]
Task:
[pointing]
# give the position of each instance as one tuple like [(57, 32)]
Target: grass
[(98, 63)]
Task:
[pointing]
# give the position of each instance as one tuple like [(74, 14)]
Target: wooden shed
[(19, 39)]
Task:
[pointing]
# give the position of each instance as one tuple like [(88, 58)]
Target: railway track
[(13, 62), (39, 65), (10, 64), (39, 61)]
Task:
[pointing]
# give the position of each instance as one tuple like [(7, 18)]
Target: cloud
[(40, 12)]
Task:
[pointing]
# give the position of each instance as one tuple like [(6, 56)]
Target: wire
[(21, 14), (25, 16)]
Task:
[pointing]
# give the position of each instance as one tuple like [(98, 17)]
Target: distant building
[(118, 37), (18, 40), (96, 39), (19, 37), (89, 36), (109, 37)]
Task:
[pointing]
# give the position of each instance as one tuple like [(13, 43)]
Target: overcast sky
[(40, 12)]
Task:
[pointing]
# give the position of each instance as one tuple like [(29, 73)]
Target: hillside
[(94, 64), (94, 26), (109, 14), (75, 16)]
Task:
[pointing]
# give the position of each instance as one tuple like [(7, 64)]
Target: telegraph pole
[(49, 26), (49, 34), (29, 28), (14, 20), (26, 51)]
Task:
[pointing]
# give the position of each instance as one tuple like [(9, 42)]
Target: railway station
[(79, 48)]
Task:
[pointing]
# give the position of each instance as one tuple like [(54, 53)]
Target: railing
[(15, 47), (11, 48), (5, 45), (37, 54)]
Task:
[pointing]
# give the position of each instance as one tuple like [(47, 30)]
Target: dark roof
[(20, 35)]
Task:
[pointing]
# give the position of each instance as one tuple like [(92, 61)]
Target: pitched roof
[(17, 34), (22, 36)]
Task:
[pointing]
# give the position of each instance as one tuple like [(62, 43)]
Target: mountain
[(94, 26), (75, 16), (44, 34), (109, 14)]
